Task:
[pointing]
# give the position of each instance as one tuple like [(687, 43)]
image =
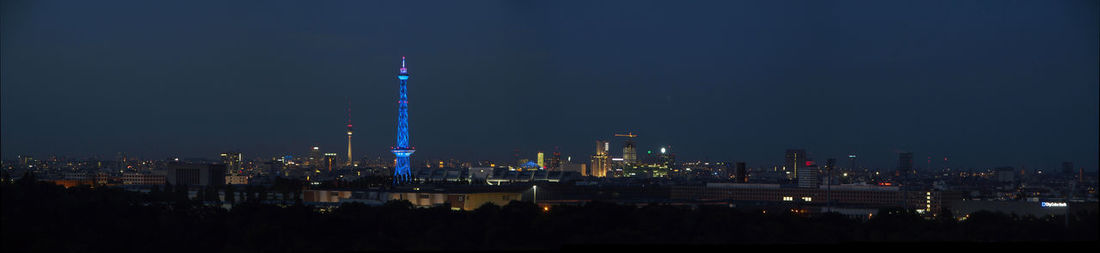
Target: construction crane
[(630, 153), (630, 134)]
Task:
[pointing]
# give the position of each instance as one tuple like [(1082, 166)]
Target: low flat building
[(196, 174), (458, 198), (862, 195), (143, 179), (962, 208)]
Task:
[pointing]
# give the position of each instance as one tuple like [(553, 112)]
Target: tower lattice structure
[(403, 150)]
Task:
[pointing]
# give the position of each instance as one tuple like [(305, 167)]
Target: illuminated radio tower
[(403, 150), (349, 162)]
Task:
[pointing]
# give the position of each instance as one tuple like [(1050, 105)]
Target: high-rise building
[(905, 163), (330, 161), (25, 160), (316, 158), (233, 161), (852, 162), (795, 158), (742, 173), (630, 151), (600, 161), (555, 161), (807, 177), (541, 160), (403, 150)]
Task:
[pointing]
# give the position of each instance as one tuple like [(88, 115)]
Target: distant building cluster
[(618, 170)]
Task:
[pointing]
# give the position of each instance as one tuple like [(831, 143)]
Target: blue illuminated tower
[(403, 150)]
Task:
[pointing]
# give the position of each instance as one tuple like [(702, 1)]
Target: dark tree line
[(39, 216)]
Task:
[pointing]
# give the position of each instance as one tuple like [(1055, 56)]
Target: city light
[(1054, 204), (762, 100)]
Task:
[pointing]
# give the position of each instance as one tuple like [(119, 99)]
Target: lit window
[(787, 198), (807, 199)]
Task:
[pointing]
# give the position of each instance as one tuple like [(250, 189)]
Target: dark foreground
[(40, 216)]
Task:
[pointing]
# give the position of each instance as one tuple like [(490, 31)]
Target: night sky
[(985, 83)]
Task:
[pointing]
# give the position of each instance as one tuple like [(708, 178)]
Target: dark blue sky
[(986, 83)]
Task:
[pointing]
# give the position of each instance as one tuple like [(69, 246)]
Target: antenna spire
[(403, 69)]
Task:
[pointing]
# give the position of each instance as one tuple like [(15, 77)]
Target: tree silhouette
[(40, 216)]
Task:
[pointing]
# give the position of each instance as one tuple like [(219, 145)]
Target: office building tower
[(630, 149), (541, 160), (555, 161), (905, 164), (600, 161), (233, 161), (403, 150), (807, 177), (852, 162), (315, 157), (742, 173), (329, 161)]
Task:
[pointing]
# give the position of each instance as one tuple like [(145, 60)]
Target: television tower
[(349, 162), (403, 150)]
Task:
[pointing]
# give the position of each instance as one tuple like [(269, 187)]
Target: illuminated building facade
[(402, 150), (233, 161), (142, 179), (541, 160), (630, 151), (601, 162), (330, 161)]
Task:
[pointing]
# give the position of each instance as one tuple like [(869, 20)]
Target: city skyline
[(225, 126), (986, 89)]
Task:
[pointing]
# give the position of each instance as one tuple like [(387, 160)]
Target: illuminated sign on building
[(1054, 204)]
